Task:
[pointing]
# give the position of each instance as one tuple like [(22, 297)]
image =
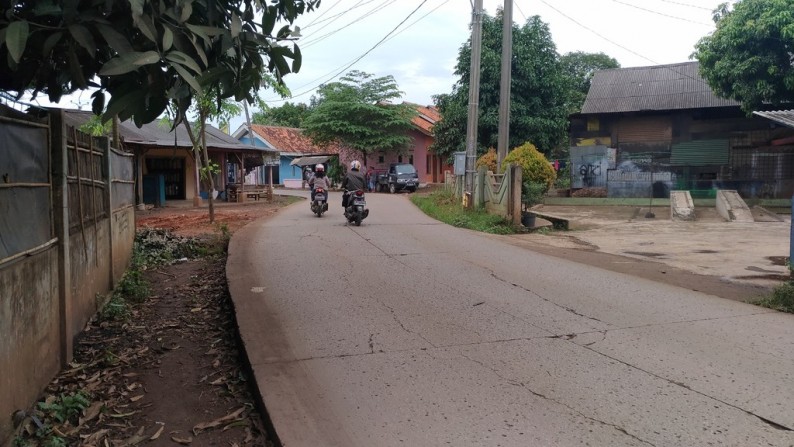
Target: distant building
[(662, 128)]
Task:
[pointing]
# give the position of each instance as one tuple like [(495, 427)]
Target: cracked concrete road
[(406, 331)]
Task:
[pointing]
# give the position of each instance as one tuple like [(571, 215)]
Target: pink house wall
[(418, 151)]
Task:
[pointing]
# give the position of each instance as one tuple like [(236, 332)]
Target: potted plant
[(531, 194)]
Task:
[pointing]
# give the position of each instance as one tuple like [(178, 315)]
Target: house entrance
[(173, 169)]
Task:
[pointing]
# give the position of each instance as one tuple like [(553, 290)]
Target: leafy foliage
[(782, 298), (534, 165), (748, 57), (488, 160), (580, 68), (287, 115), (539, 110), (146, 53), (355, 113)]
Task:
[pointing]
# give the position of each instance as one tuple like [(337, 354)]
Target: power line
[(686, 4), (326, 11), (662, 14), (334, 17), (617, 44), (378, 8), (520, 11), (388, 36)]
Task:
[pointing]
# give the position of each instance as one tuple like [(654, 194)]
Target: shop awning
[(306, 161)]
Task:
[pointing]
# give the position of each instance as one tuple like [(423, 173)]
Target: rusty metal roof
[(659, 87), (784, 117), (157, 134)]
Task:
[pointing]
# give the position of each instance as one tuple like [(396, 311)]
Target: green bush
[(534, 165), (782, 298), (488, 160)]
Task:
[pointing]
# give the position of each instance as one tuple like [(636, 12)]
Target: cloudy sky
[(417, 41), (423, 38)]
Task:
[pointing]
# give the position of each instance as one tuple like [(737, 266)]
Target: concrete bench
[(559, 223)]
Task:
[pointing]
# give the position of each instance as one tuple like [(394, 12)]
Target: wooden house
[(649, 130)]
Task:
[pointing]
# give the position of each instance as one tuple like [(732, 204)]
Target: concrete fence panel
[(66, 235)]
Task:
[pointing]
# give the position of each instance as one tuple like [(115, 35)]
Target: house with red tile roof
[(296, 151), (430, 166)]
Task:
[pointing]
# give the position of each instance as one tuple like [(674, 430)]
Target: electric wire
[(311, 41), (687, 5), (619, 45), (323, 13), (337, 71), (336, 16), (662, 14)]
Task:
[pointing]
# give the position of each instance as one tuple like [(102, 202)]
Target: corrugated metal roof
[(155, 134), (659, 87), (784, 117)]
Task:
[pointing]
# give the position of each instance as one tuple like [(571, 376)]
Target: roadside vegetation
[(444, 206), (782, 298), (127, 383)]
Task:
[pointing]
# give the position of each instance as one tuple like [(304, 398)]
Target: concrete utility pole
[(503, 139), (474, 99)]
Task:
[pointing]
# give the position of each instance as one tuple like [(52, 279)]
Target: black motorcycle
[(320, 202), (356, 209)]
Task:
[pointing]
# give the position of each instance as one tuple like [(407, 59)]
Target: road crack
[(566, 308), (560, 403)]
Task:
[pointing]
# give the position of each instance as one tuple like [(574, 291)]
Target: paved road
[(408, 332)]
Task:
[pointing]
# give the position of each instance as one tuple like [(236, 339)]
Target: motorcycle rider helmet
[(319, 168), (355, 165)]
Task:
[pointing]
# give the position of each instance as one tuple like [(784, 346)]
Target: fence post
[(516, 181), (108, 171), (791, 242), (60, 205)]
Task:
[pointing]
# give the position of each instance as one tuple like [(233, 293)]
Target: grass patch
[(782, 298), (444, 206)]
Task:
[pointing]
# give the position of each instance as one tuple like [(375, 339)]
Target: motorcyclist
[(319, 180), (353, 181)]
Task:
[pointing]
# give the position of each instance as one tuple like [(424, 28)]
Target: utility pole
[(503, 139), (474, 99)]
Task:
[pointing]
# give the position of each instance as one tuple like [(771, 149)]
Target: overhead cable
[(662, 14), (617, 44), (388, 36)]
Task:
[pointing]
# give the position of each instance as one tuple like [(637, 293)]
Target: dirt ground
[(172, 372)]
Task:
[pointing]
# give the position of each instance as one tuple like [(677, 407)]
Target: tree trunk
[(206, 159), (200, 151)]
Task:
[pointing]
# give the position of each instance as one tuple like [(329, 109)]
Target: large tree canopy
[(580, 68), (539, 99), (750, 56), (356, 113), (287, 114), (147, 54)]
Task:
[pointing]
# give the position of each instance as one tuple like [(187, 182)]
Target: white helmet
[(319, 168), (355, 165)]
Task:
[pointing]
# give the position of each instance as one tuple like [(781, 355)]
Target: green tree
[(748, 58), (288, 115), (356, 113), (147, 54), (580, 68), (539, 96), (206, 108)]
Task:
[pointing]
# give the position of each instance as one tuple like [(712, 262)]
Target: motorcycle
[(356, 209), (320, 203)]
